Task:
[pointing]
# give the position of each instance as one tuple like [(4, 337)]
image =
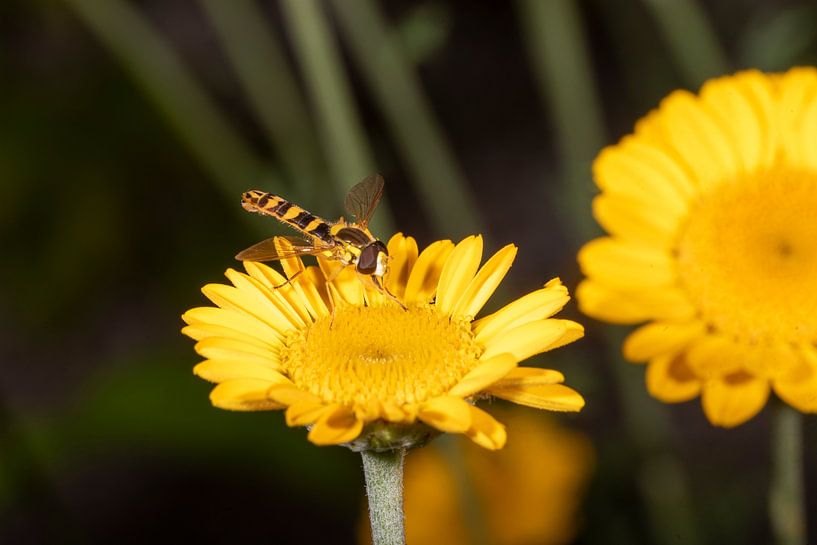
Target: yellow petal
[(696, 137), (731, 104), (670, 380), (459, 269), (403, 255), (203, 331), (624, 265), (258, 308), (713, 356), (259, 291), (337, 425), (734, 399), (221, 348), (233, 320), (796, 115), (243, 394), (281, 287), (770, 361), (446, 413), (484, 375), (425, 275), (305, 412), (798, 387), (220, 371), (523, 377), (632, 221), (288, 394), (659, 338), (536, 305), (485, 430), (551, 397), (315, 300), (643, 171), (628, 307), (349, 287), (485, 283), (534, 337)]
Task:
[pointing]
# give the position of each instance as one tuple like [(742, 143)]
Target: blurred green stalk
[(786, 493), (273, 92), (562, 64), (419, 138), (171, 86), (340, 127), (690, 38)]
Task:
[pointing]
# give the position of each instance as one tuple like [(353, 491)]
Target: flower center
[(382, 354), (748, 257)]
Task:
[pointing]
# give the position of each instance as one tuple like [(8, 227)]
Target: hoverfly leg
[(289, 280), (383, 289)]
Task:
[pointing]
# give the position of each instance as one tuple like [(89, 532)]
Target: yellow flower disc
[(369, 354), (711, 206), (748, 257)]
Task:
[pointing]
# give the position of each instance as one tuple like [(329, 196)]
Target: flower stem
[(384, 487), (786, 496)]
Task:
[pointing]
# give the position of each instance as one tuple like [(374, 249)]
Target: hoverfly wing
[(276, 248), (362, 199)]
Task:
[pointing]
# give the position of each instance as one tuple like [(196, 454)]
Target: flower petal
[(446, 413), (425, 275), (288, 394), (534, 337), (305, 412), (227, 349), (403, 255), (261, 309), (484, 375), (485, 283), (523, 377), (659, 338), (232, 319), (220, 371), (337, 425), (798, 387), (485, 430), (670, 380), (551, 397), (536, 305), (714, 355), (283, 291), (263, 294), (628, 219), (243, 394), (628, 307), (624, 265), (733, 399), (457, 273)]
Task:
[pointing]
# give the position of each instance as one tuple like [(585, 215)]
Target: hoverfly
[(350, 243)]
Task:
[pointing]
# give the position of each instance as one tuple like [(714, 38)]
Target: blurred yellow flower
[(712, 210), (530, 492), (338, 356)]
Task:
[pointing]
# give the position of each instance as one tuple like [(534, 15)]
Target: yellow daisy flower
[(357, 368), (711, 210)]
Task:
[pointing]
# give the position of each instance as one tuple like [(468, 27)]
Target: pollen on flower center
[(380, 354), (748, 257)]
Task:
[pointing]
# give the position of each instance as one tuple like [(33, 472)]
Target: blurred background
[(128, 131)]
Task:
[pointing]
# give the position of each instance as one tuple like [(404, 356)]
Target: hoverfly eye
[(367, 262)]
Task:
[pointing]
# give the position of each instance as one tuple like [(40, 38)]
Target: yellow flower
[(712, 210), (346, 360), (530, 492)]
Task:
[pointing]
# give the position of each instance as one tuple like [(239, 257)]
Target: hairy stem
[(384, 488)]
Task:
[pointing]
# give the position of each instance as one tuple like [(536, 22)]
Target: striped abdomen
[(281, 209)]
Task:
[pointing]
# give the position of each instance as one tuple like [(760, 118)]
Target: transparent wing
[(276, 248), (362, 199)]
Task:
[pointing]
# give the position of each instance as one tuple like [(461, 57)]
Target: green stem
[(340, 128), (167, 81), (409, 116), (690, 38), (272, 90), (786, 496), (384, 488)]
